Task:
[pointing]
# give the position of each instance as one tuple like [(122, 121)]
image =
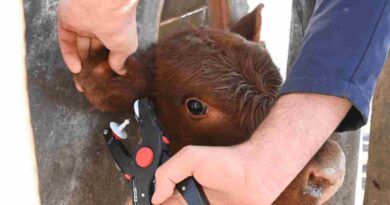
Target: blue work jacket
[(344, 50)]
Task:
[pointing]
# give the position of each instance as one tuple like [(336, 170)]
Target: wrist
[(115, 21), (292, 133), (124, 5)]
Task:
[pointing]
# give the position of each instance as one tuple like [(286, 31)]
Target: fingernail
[(78, 87), (121, 71), (154, 200), (75, 68)]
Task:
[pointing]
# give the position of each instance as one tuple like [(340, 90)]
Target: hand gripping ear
[(325, 172), (107, 90), (249, 26)]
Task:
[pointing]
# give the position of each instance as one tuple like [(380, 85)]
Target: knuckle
[(192, 152), (189, 150), (116, 64), (159, 174), (134, 46)]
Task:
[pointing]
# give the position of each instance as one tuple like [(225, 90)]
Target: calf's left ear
[(249, 26)]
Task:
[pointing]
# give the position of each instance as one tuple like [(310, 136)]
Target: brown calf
[(212, 88)]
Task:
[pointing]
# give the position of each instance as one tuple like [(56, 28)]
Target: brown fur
[(234, 76), (228, 69)]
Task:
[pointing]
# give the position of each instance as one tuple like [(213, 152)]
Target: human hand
[(175, 199), (87, 25), (229, 175)]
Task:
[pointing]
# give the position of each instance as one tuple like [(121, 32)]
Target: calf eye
[(196, 107)]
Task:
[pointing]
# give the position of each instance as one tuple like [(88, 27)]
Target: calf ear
[(249, 26), (107, 90), (325, 172)]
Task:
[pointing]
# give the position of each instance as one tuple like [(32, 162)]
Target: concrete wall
[(74, 165)]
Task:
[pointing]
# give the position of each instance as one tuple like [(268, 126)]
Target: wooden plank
[(349, 142), (74, 164), (174, 8), (218, 14), (378, 172), (195, 18)]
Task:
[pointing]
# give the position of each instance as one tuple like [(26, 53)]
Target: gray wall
[(74, 165)]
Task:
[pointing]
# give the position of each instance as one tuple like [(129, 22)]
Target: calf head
[(210, 87)]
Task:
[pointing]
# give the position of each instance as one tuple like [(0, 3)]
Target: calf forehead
[(219, 65), (209, 59)]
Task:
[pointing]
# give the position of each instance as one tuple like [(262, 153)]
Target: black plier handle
[(140, 165)]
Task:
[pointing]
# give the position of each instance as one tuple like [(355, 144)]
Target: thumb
[(68, 46), (121, 46), (117, 60), (181, 166)]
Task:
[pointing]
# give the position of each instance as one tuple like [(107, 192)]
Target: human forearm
[(342, 54), (291, 134), (264, 165)]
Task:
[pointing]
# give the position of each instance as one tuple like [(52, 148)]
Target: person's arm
[(257, 171), (89, 24), (343, 52)]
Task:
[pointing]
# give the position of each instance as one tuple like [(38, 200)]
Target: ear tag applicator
[(140, 165), (118, 130)]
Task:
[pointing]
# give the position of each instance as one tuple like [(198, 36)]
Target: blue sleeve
[(343, 52)]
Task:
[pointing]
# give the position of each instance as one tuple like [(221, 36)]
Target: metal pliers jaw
[(140, 165)]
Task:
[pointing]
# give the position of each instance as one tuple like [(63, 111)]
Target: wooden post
[(218, 13), (148, 21), (378, 172), (300, 16), (349, 141), (74, 164), (222, 13), (18, 173)]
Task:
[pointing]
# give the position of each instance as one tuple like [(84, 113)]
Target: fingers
[(68, 45), (175, 199), (179, 167), (83, 45), (96, 45), (117, 60), (78, 87), (121, 45), (119, 54), (129, 201)]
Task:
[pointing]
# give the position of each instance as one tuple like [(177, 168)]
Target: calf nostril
[(313, 191)]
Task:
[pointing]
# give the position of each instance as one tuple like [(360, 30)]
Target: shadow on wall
[(74, 164)]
